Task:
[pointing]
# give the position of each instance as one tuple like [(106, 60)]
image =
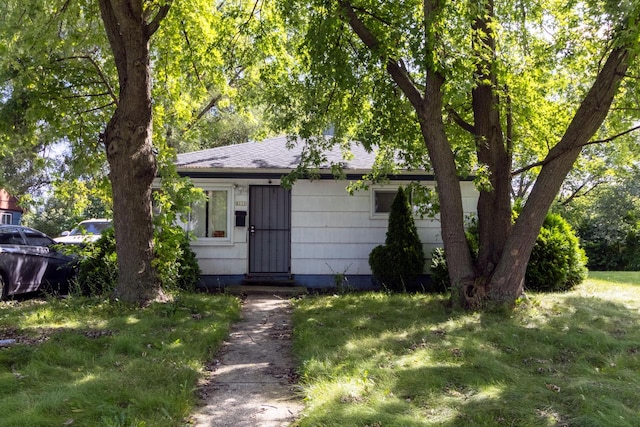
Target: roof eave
[(247, 173)]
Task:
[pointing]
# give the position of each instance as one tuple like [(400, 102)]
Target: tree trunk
[(498, 276), (508, 279), (128, 143), (494, 205), (458, 255)]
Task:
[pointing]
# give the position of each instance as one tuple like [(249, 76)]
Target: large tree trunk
[(458, 255), (498, 275), (128, 144), (494, 207), (508, 279)]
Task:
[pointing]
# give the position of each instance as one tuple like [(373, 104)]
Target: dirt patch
[(252, 380)]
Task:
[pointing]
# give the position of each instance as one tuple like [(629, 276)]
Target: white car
[(86, 232)]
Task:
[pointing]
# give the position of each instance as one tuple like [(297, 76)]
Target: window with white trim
[(211, 218), (382, 200), (7, 218)]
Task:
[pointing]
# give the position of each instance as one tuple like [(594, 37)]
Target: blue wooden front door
[(269, 230)]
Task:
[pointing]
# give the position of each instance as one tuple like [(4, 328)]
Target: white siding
[(331, 231)]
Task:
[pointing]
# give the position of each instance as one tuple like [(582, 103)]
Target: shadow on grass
[(104, 364), (407, 360)]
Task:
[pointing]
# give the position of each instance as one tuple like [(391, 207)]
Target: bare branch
[(397, 72), (91, 110), (576, 193), (560, 152), (103, 76), (372, 15), (153, 26), (460, 121), (611, 138), (85, 95)]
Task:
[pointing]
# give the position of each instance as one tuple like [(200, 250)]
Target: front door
[(269, 230)]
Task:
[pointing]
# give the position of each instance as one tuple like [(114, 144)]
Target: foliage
[(467, 88), (61, 74), (95, 362), (68, 204), (406, 360), (398, 262), (97, 266), (607, 220), (176, 262), (557, 262), (439, 271)]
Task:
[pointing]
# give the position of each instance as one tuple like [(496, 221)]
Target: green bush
[(439, 271), (175, 263), (97, 266), (557, 262), (398, 262)]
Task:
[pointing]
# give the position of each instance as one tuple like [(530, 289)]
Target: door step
[(280, 291), (269, 280)]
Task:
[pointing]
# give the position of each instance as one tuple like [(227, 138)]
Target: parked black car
[(29, 262)]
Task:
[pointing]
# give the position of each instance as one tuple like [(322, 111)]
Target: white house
[(252, 229)]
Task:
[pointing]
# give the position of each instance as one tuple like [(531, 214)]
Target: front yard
[(370, 359), (396, 360)]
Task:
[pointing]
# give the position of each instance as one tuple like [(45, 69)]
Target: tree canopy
[(493, 89), (490, 89), (67, 70)]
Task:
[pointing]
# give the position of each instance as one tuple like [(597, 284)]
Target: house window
[(382, 201), (7, 218), (210, 219)]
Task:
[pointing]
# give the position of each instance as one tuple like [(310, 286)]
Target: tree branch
[(460, 121), (91, 110), (112, 28), (102, 75), (560, 152), (153, 26), (397, 72), (576, 193)]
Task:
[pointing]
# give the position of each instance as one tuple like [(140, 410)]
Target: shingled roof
[(271, 153)]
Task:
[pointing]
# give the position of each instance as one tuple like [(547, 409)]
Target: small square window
[(383, 199)]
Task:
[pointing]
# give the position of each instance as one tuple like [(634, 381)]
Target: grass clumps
[(92, 362), (407, 360)]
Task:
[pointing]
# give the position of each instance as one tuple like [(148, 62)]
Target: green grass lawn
[(368, 359), (87, 362), (569, 359)]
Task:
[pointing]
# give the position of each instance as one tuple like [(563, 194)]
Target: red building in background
[(10, 212)]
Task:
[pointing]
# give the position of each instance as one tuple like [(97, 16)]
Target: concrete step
[(281, 291)]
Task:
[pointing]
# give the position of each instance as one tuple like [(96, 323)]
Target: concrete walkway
[(252, 382)]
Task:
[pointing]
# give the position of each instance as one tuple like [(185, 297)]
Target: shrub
[(557, 262), (398, 262), (97, 266), (439, 271), (175, 263)]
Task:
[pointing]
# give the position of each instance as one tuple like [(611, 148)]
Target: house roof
[(9, 202), (272, 153)]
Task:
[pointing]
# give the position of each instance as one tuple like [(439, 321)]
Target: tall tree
[(128, 143), (480, 86), (67, 68)]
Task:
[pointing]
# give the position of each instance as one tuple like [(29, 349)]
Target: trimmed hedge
[(398, 262)]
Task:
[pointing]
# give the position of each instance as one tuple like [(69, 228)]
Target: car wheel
[(3, 288)]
